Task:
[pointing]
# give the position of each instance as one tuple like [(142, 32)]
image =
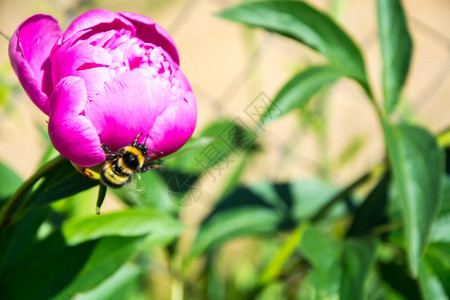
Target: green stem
[(177, 287), (16, 199)]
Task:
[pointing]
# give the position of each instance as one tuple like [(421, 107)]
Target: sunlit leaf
[(302, 22), (396, 50), (418, 171), (299, 90), (129, 223), (114, 287)]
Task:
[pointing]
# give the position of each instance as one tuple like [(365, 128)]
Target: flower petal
[(151, 32), (29, 51), (71, 133), (128, 106), (102, 18), (173, 128)]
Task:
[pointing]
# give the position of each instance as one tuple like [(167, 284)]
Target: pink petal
[(71, 133), (29, 51), (151, 32), (78, 60), (129, 105), (173, 128), (104, 19)]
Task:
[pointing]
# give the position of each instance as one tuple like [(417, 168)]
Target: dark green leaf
[(397, 278), (17, 240), (9, 182), (56, 271), (260, 209), (299, 90), (61, 183), (122, 223), (234, 223), (340, 269), (417, 164), (107, 257), (372, 212), (396, 49), (300, 21)]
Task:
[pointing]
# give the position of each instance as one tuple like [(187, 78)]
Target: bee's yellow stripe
[(114, 178), (135, 151), (124, 167)]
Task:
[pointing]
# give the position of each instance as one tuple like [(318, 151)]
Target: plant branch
[(16, 199)]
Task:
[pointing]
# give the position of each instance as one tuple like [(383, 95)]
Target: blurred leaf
[(229, 137), (17, 240), (433, 273), (235, 223), (122, 223), (300, 21), (440, 231), (56, 271), (435, 265), (396, 49), (191, 145), (299, 90), (114, 287), (148, 190), (260, 209), (107, 257), (340, 269), (372, 212), (62, 182), (397, 278), (417, 164), (9, 182)]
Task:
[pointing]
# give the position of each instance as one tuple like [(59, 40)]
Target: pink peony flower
[(107, 78)]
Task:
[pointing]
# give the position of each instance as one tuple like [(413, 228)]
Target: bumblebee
[(120, 166)]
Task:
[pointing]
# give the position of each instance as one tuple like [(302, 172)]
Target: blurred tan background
[(229, 66)]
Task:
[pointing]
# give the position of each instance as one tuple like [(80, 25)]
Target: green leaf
[(122, 223), (149, 190), (9, 182), (61, 183), (340, 268), (261, 209), (106, 258), (228, 137), (299, 90), (57, 271), (300, 21), (400, 283), (372, 212), (417, 164), (114, 287), (396, 50), (433, 273), (235, 223)]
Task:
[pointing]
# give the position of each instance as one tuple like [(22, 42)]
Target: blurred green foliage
[(305, 239)]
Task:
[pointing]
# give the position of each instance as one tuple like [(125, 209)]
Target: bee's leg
[(147, 167), (109, 154), (136, 140)]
